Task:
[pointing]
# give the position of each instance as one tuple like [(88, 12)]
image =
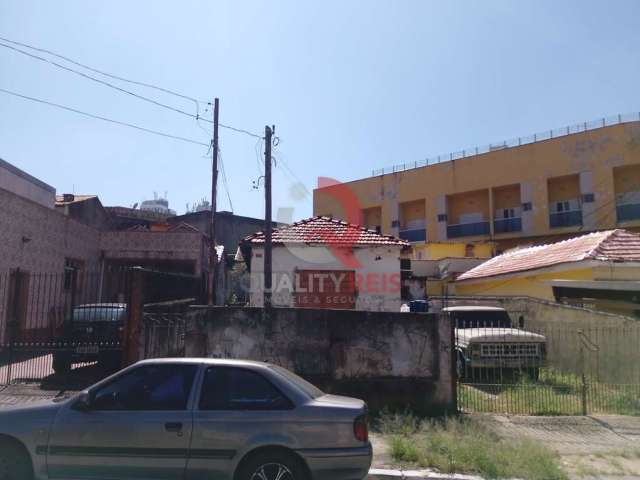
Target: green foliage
[(463, 445)]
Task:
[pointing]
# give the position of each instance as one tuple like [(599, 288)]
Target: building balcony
[(572, 218), (468, 229), (504, 225), (414, 235), (628, 211)]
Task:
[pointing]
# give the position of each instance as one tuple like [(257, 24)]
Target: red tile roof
[(327, 231), (610, 246)]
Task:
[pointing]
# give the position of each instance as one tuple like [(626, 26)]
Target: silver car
[(191, 419)]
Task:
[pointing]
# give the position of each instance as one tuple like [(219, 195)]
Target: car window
[(230, 388), (149, 387), (308, 388)]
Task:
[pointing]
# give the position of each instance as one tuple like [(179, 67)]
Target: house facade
[(325, 263)]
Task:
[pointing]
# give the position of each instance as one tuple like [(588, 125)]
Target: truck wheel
[(61, 363)]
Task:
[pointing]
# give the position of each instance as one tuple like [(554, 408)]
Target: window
[(228, 388), (150, 387)]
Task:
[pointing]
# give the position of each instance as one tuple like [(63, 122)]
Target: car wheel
[(61, 363), (14, 462), (272, 466)]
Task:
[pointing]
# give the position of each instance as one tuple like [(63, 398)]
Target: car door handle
[(173, 427)]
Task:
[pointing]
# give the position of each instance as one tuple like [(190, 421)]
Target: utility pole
[(268, 132), (212, 221)]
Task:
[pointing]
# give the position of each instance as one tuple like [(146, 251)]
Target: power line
[(102, 82), (106, 74), (116, 77), (224, 181), (98, 117)]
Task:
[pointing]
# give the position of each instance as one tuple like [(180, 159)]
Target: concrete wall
[(21, 183), (394, 360), (378, 263), (187, 248)]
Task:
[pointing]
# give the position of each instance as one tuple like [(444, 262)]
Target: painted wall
[(393, 360), (596, 151), (529, 284), (436, 251), (379, 274)]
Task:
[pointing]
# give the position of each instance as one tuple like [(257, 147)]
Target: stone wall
[(389, 359)]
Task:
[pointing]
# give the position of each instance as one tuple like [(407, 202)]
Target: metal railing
[(565, 219), (467, 229), (414, 234), (514, 142), (628, 211), (504, 225)]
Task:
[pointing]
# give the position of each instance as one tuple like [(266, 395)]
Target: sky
[(351, 86)]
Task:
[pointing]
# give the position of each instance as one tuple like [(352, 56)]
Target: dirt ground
[(597, 446), (592, 447)]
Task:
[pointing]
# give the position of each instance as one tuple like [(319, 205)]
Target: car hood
[(497, 335), (28, 418)]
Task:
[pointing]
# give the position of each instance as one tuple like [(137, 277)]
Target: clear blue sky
[(351, 86)]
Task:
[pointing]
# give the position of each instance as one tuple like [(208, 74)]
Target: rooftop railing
[(514, 142)]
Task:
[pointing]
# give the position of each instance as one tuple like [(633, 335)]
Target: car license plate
[(87, 349)]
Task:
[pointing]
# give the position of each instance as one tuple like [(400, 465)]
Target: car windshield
[(481, 319), (311, 390), (99, 313)]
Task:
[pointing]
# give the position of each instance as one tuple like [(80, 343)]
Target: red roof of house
[(328, 231), (609, 246)]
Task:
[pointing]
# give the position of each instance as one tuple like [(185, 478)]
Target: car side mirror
[(83, 402)]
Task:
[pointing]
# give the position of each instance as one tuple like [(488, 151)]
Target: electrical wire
[(115, 87), (102, 82), (106, 74), (224, 179), (98, 117)]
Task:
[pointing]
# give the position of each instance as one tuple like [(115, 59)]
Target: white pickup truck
[(486, 340)]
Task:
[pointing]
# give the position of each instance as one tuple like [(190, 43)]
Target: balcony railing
[(628, 211), (414, 235), (571, 218), (504, 225), (467, 229)]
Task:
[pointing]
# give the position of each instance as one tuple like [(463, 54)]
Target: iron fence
[(547, 369), (514, 142), (55, 326)]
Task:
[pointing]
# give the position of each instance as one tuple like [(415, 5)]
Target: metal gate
[(72, 327), (511, 367)]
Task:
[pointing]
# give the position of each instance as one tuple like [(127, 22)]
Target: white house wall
[(377, 263)]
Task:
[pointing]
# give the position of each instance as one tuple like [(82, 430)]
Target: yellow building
[(600, 270), (530, 190)]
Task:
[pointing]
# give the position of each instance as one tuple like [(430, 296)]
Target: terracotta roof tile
[(328, 231), (610, 245)]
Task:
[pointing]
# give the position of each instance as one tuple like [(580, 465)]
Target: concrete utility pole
[(268, 132), (212, 223)]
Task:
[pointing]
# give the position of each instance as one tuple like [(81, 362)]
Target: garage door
[(325, 289)]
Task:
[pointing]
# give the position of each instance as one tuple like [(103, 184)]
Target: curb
[(387, 474)]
